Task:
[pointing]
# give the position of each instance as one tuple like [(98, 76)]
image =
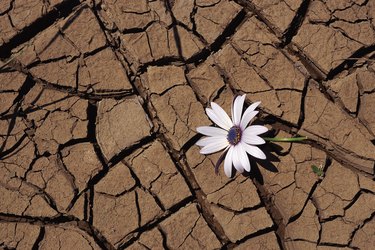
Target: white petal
[(214, 147), (212, 131), (246, 118), (249, 114), (254, 151), (221, 114), (253, 106), (243, 157), (209, 140), (240, 170), (252, 139), (255, 130), (212, 115), (228, 162), (236, 159), (237, 109)]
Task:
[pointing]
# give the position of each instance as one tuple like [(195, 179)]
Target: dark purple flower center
[(234, 135)]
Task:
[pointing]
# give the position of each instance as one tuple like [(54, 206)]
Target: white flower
[(234, 135)]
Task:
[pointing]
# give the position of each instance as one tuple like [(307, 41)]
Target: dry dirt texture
[(100, 99)]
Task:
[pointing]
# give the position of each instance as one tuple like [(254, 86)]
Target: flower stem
[(277, 139)]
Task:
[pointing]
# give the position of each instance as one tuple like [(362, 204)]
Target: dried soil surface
[(100, 99)]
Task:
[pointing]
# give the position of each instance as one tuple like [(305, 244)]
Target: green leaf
[(318, 171)]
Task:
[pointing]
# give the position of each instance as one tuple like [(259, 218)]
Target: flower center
[(234, 135)]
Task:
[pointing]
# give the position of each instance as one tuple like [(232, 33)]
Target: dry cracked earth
[(100, 99)]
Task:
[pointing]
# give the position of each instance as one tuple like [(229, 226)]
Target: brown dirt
[(99, 101)]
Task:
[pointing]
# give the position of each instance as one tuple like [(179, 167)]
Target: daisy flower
[(233, 135)]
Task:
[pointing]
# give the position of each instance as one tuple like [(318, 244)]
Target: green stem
[(294, 139)]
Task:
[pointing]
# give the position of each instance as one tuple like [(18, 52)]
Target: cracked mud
[(99, 101)]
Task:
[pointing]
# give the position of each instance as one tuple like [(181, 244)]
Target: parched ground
[(100, 99)]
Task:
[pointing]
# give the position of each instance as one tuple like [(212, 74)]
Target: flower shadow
[(271, 151)]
